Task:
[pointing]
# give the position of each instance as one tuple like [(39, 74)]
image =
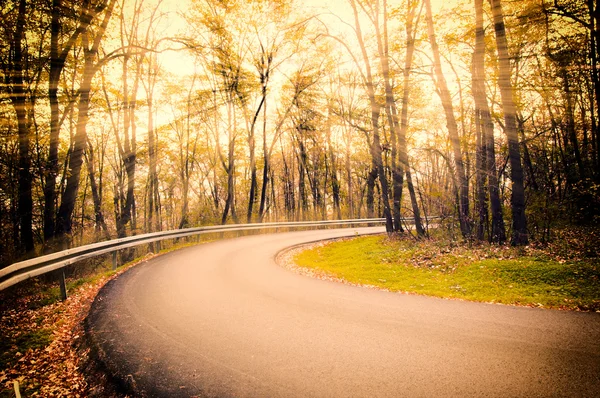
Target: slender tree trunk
[(375, 149), (100, 223), (69, 197), (488, 153), (188, 161), (57, 63), (230, 200), (459, 167), (594, 13), (252, 196), (480, 169), (335, 183), (252, 151), (19, 102), (65, 212), (288, 189), (403, 149), (302, 195), (527, 156), (572, 134), (152, 170), (52, 162), (371, 179), (519, 221), (265, 176), (351, 210), (390, 106), (126, 154), (184, 220)]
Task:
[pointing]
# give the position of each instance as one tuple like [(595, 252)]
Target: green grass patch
[(11, 349), (522, 276)]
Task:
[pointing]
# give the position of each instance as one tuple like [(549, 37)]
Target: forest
[(122, 117)]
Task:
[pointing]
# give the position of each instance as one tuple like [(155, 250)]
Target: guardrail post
[(63, 285), (114, 260)]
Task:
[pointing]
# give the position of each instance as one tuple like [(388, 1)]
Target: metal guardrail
[(24, 270)]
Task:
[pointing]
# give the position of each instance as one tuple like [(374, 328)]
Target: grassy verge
[(526, 276)]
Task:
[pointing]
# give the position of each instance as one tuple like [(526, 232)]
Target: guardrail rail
[(23, 270)]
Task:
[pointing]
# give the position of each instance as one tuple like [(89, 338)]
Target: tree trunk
[(152, 171), (402, 147), (480, 169), (52, 162), (350, 194), (390, 105), (335, 184), (100, 223), (371, 179), (375, 148), (230, 200), (302, 195), (65, 212), (519, 221), (487, 151), (572, 134), (69, 197), (594, 13), (252, 151), (19, 102), (57, 63), (444, 93), (265, 179)]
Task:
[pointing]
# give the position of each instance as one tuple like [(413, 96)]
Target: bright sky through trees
[(137, 116)]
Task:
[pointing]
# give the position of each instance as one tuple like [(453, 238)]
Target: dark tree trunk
[(69, 197), (57, 63), (571, 133), (153, 200), (403, 149), (51, 170), (19, 102), (263, 189), (265, 179), (487, 151), (100, 223), (480, 169), (252, 150), (288, 190), (371, 179), (594, 13), (302, 195), (519, 221), (229, 199), (390, 109)]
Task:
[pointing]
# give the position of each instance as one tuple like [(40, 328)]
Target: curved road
[(224, 320)]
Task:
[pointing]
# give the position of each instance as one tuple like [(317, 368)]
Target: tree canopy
[(121, 117)]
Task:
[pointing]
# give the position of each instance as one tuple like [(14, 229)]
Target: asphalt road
[(224, 320)]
